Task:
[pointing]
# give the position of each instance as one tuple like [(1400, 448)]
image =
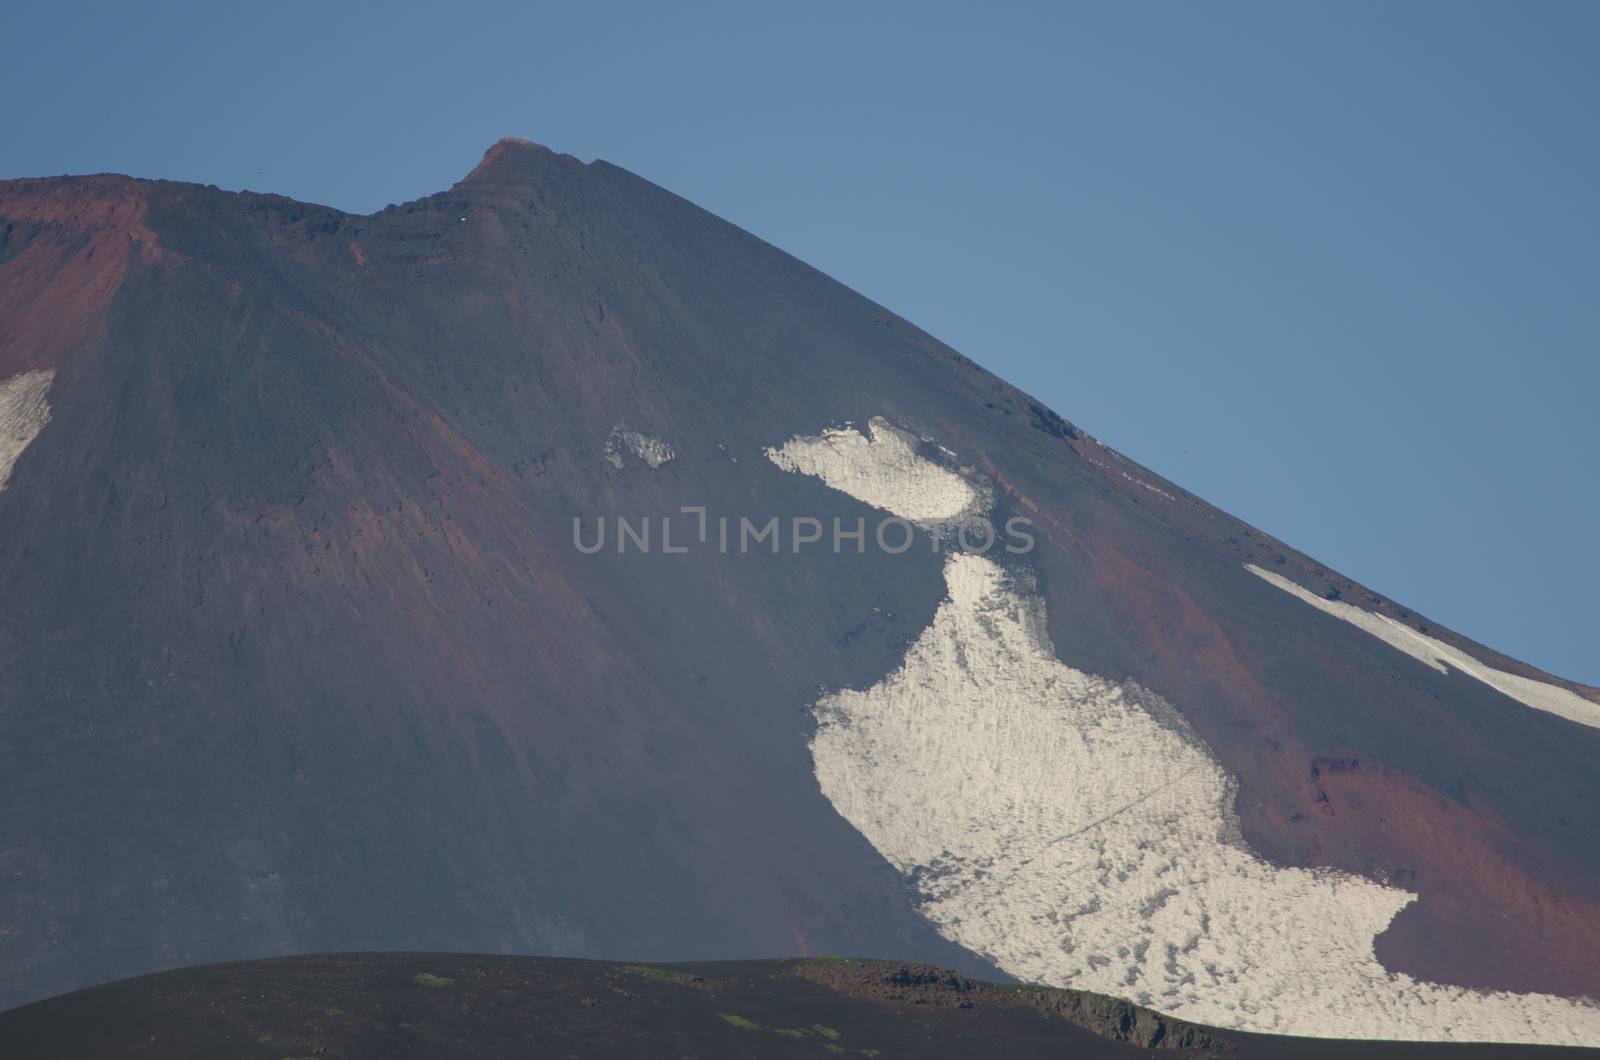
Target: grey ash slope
[(296, 653)]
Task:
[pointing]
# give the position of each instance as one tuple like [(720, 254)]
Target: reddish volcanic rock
[(66, 245)]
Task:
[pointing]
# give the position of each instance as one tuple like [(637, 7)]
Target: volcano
[(548, 566)]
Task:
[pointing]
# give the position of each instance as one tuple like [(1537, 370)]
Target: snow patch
[(1540, 695), (653, 451), (1078, 833), (23, 414), (881, 468), (1102, 465)]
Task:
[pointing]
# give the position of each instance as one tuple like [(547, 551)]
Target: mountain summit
[(384, 582), (513, 159)]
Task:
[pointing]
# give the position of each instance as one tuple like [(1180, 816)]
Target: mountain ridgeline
[(299, 650)]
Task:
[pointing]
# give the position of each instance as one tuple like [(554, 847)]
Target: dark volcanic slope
[(296, 653), (451, 1006)]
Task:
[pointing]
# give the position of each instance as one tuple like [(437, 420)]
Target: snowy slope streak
[(1074, 830), (1540, 695)]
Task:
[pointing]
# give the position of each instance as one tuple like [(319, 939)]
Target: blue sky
[(1331, 266)]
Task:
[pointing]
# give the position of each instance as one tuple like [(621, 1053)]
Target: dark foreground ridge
[(454, 1005)]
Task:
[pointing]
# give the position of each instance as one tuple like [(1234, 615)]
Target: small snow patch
[(653, 451)]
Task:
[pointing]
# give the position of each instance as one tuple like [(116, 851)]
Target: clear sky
[(1333, 267)]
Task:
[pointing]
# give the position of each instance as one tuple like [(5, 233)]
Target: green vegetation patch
[(335, 1012), (660, 975), (792, 1032), (739, 1021), (429, 979), (826, 1032)]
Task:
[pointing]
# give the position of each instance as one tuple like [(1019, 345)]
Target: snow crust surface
[(23, 414), (1078, 833), (880, 468)]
